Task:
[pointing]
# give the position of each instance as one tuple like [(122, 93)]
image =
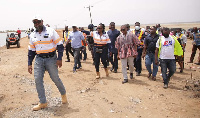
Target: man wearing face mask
[(43, 43), (166, 48), (140, 35)]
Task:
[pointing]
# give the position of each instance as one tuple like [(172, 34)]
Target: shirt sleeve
[(158, 43), (82, 37), (56, 39), (31, 45), (184, 39)]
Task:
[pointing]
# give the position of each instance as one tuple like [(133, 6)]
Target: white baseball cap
[(74, 25), (38, 17)]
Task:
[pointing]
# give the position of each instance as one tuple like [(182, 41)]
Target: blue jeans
[(149, 59), (77, 61), (169, 64), (137, 60), (40, 66), (84, 54)]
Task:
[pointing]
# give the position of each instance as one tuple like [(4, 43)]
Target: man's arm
[(144, 51), (156, 56)]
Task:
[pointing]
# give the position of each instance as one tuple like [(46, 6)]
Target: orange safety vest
[(139, 37), (85, 36)]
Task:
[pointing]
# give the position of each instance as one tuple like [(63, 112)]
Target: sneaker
[(131, 75), (68, 60), (125, 81), (80, 67), (165, 86)]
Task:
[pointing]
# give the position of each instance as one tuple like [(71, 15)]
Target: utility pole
[(90, 12)]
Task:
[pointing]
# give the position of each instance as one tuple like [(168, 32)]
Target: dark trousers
[(103, 56), (194, 49), (19, 35), (77, 57), (114, 61), (83, 51), (137, 60), (169, 64), (69, 50)]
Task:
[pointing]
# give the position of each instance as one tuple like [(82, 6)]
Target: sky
[(58, 13)]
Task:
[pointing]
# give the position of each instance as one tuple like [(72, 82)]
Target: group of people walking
[(158, 45)]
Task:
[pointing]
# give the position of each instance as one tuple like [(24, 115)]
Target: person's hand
[(143, 55), (118, 57), (59, 63), (30, 69), (156, 62), (135, 56), (110, 54)]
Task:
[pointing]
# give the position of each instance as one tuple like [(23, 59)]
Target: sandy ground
[(91, 98)]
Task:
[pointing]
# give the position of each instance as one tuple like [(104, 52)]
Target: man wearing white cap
[(76, 37), (43, 43)]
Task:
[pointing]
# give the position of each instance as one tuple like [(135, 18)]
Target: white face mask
[(137, 27)]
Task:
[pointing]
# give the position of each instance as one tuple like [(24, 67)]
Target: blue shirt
[(76, 38), (197, 38), (113, 37)]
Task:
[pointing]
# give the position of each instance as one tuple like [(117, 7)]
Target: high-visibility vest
[(180, 39), (177, 47), (140, 36), (66, 36), (85, 38)]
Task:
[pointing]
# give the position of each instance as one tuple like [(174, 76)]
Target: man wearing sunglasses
[(126, 45), (43, 43)]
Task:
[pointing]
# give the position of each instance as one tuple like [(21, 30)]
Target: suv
[(12, 39)]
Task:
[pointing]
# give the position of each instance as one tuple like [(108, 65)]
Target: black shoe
[(197, 63), (68, 60), (74, 70), (137, 74), (165, 86), (80, 67), (125, 81), (115, 70), (131, 75)]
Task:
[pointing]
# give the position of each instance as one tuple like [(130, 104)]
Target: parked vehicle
[(12, 39)]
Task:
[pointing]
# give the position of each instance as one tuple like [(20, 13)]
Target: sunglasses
[(37, 21), (122, 29), (99, 28)]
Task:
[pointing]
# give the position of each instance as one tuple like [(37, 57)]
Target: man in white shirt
[(165, 51)]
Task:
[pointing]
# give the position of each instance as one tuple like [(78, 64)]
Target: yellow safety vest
[(140, 37)]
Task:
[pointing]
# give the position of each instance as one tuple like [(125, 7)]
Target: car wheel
[(7, 45), (18, 44)]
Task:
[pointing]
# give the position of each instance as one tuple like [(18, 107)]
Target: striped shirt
[(100, 41), (45, 42)]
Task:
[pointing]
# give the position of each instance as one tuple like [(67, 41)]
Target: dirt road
[(91, 98)]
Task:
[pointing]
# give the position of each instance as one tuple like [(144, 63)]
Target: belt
[(46, 56)]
